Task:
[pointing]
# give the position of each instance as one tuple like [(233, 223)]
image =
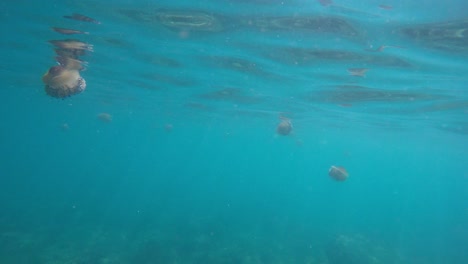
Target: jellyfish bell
[(65, 127), (338, 173), (64, 80), (105, 117), (168, 127), (61, 82), (284, 128), (53, 71), (60, 76)]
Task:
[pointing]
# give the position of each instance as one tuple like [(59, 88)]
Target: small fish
[(66, 31), (360, 72), (83, 18)]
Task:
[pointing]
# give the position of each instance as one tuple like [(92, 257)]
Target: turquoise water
[(190, 168)]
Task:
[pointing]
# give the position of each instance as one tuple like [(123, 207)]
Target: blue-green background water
[(191, 170)]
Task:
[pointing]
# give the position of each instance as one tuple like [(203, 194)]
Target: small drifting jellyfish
[(360, 72), (65, 127), (338, 173), (63, 81), (284, 128), (105, 117), (168, 127)]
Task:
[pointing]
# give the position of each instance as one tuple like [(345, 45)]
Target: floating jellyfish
[(65, 127), (168, 127), (61, 81), (64, 79), (338, 173), (284, 128), (105, 117)]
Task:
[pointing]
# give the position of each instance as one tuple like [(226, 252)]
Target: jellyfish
[(64, 79), (284, 128), (65, 127), (338, 173), (61, 82), (168, 127), (105, 117)]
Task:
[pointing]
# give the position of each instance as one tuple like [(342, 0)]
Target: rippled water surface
[(172, 154)]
